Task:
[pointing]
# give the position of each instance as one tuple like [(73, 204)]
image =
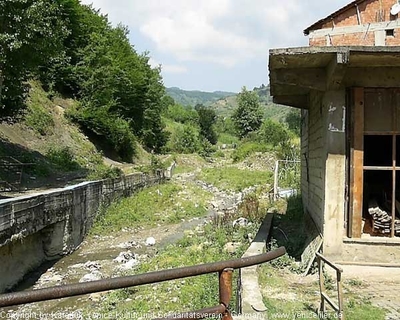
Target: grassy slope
[(58, 149)]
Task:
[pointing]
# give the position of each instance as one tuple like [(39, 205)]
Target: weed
[(63, 158), (355, 283), (196, 247), (231, 178), (166, 203), (248, 148), (38, 116), (219, 154)]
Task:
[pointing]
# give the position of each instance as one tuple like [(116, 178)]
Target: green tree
[(273, 132), (30, 34), (186, 140), (247, 117), (293, 120), (207, 119)]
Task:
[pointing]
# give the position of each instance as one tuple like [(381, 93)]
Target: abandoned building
[(347, 83)]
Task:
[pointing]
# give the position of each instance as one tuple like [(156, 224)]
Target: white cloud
[(169, 68), (224, 32)]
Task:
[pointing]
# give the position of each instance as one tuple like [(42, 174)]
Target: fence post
[(276, 180), (321, 285)]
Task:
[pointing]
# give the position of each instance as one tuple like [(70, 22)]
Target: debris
[(124, 257), (241, 222), (94, 276)]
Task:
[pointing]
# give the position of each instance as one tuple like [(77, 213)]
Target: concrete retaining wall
[(45, 226)]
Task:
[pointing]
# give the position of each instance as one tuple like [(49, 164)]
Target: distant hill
[(226, 105), (191, 98)]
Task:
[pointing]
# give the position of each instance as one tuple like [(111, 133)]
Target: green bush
[(185, 140), (39, 119), (246, 149), (115, 131), (274, 133), (63, 158), (182, 114), (103, 171)]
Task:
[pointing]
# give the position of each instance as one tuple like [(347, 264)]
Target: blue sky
[(214, 45)]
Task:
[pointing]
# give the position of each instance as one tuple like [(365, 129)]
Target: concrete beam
[(336, 70), (309, 78), (364, 28), (373, 77), (297, 101)]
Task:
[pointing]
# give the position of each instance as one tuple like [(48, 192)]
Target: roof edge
[(332, 15)]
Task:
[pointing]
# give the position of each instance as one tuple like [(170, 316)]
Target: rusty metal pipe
[(211, 312), (225, 291), (225, 286), (77, 289)]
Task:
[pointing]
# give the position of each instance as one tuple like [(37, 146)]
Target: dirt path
[(379, 285)]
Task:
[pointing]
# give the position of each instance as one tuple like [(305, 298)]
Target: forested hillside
[(193, 97), (62, 49), (225, 106), (75, 51)]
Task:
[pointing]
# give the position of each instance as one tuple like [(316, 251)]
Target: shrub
[(63, 158), (114, 130), (248, 148), (182, 114), (39, 119), (186, 140), (273, 133)]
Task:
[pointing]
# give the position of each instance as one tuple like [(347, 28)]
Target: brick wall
[(374, 14), (314, 152)]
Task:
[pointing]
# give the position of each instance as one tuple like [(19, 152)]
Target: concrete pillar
[(335, 171)]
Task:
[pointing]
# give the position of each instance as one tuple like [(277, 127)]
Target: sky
[(215, 45)]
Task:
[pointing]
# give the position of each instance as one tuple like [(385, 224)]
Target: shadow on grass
[(45, 171), (289, 228)]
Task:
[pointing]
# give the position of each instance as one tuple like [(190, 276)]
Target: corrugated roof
[(333, 15)]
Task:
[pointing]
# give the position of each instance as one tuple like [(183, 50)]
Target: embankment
[(40, 227)]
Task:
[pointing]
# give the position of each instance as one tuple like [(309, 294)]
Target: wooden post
[(357, 163), (340, 294), (321, 284), (276, 176)]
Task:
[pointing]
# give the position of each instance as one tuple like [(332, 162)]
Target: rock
[(150, 241), (94, 276), (130, 264), (241, 222), (124, 257), (92, 265), (231, 247)]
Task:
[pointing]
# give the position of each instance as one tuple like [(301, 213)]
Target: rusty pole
[(225, 291), (76, 289)]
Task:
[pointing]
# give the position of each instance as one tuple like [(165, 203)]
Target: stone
[(150, 241), (124, 257), (92, 265), (241, 222), (93, 276), (231, 247), (130, 264)]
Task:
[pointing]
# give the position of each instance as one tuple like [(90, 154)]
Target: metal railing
[(324, 297), (224, 269)]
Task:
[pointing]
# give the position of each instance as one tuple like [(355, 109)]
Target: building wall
[(313, 160), (346, 29), (324, 166)]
